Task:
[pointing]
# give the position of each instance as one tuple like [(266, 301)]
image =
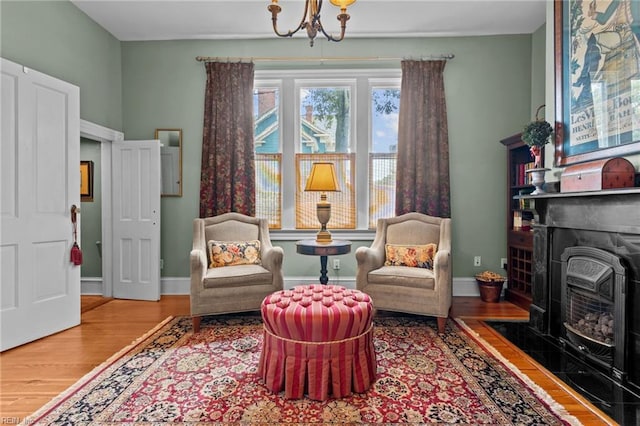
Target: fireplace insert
[(593, 307)]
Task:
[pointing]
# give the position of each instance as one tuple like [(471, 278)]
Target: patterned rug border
[(543, 395), (84, 380)]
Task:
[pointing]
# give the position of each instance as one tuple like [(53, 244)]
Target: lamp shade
[(322, 178)]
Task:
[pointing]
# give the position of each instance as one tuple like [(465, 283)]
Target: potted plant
[(536, 134), (490, 286)]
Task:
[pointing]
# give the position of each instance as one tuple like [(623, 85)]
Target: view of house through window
[(299, 121)]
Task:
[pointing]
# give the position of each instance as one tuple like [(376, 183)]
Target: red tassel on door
[(76, 254)]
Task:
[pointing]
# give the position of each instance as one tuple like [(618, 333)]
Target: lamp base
[(323, 236)]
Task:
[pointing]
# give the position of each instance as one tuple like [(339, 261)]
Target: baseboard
[(462, 286), (91, 286)]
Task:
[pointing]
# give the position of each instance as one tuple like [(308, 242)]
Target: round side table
[(315, 248)]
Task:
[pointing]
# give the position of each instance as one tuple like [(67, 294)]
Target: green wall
[(56, 38), (488, 90), (538, 65)]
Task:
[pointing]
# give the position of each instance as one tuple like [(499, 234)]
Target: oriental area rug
[(171, 376)]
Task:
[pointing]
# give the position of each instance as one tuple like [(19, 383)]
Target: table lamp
[(323, 178)]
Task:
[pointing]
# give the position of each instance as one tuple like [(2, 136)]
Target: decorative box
[(597, 175)]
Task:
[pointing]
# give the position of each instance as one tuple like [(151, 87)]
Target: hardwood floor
[(33, 374)]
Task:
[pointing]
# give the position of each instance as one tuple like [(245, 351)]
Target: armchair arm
[(198, 266), (272, 258), (272, 261), (368, 259), (442, 271)]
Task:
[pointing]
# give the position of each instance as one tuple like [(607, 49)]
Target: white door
[(136, 219), (40, 172)]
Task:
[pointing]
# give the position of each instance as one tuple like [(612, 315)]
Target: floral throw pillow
[(420, 256), (231, 253)]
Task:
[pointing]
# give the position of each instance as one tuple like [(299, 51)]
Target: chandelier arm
[(343, 18), (275, 9)]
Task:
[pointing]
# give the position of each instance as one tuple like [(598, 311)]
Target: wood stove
[(593, 307)]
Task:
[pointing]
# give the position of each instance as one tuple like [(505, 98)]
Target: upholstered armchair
[(233, 265), (403, 272)]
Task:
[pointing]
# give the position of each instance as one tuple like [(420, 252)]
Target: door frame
[(105, 136)]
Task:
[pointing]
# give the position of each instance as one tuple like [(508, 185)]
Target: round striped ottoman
[(318, 340)]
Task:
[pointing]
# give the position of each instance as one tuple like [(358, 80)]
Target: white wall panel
[(9, 276), (8, 151), (50, 160)]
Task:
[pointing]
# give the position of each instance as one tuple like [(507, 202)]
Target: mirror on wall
[(171, 161)]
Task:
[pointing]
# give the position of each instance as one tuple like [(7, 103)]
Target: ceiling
[(132, 20)]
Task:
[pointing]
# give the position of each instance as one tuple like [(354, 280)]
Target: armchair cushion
[(420, 256), (231, 253), (403, 276), (238, 276)]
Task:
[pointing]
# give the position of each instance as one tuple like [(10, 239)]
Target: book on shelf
[(522, 220), (521, 176), (525, 203)]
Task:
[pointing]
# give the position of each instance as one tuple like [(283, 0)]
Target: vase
[(490, 290), (537, 179)]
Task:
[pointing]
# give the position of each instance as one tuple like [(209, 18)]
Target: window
[(346, 117)]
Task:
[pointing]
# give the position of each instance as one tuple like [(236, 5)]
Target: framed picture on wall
[(597, 59), (86, 181)]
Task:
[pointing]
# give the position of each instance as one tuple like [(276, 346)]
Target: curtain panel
[(227, 180), (422, 182)]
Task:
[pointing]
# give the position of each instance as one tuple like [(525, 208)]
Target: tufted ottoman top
[(317, 313)]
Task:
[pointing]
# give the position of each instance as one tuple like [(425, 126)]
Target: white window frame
[(288, 82)]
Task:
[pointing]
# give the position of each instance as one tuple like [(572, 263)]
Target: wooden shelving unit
[(519, 235)]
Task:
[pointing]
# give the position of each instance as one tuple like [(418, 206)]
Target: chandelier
[(311, 19)]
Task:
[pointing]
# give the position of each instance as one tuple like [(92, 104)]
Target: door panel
[(40, 181), (136, 219)]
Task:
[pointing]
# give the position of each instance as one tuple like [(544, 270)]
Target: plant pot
[(490, 290)]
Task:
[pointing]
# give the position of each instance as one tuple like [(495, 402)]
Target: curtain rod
[(315, 59)]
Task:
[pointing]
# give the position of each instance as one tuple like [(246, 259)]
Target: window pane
[(385, 104), (266, 120), (343, 212), (325, 120), (268, 156), (268, 188)]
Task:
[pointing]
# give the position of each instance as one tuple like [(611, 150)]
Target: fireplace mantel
[(615, 210), (608, 220)]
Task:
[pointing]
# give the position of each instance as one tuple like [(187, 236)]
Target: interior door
[(40, 172), (135, 186)]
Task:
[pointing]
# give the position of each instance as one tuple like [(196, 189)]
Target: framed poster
[(597, 59), (86, 181)]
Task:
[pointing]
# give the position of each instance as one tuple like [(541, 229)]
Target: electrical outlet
[(503, 262), (477, 261), (336, 263)]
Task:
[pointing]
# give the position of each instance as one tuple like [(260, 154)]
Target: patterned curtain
[(227, 179), (422, 182)]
